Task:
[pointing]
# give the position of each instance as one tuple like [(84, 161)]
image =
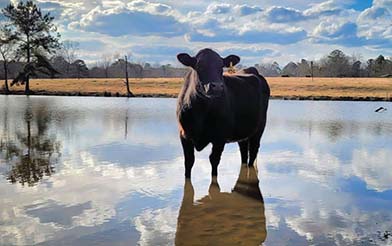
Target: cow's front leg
[(189, 155), (244, 149), (215, 156)]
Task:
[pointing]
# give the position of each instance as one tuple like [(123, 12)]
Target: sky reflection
[(117, 174)]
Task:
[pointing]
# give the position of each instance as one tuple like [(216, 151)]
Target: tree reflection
[(30, 152), (223, 218)]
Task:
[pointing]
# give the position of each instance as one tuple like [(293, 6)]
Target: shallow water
[(109, 171)]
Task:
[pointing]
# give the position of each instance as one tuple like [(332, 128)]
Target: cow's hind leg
[(189, 155), (244, 149), (254, 145), (215, 157)]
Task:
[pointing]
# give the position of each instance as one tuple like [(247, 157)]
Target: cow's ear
[(233, 59), (186, 60)]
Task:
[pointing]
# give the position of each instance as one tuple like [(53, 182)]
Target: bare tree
[(304, 68), (105, 62), (7, 42), (69, 51), (269, 69), (291, 69)]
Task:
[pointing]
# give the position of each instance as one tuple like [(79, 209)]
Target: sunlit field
[(290, 88)]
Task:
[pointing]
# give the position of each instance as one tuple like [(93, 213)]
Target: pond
[(109, 171)]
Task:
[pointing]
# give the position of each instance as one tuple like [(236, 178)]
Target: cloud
[(346, 34), (156, 53), (141, 5), (283, 15), (249, 52), (249, 37), (327, 8), (375, 22), (127, 21), (55, 9), (279, 14), (245, 10), (157, 226), (371, 168), (218, 8), (225, 8), (124, 24), (207, 24)]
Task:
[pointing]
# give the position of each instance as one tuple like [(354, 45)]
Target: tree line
[(115, 68), (335, 64), (30, 47)]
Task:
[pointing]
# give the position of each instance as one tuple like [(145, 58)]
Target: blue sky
[(258, 31)]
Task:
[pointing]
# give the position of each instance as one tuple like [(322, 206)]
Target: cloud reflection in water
[(323, 169)]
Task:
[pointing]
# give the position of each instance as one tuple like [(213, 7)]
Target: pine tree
[(36, 37)]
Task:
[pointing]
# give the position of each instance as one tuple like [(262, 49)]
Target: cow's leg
[(254, 145), (244, 149), (215, 157), (189, 155)]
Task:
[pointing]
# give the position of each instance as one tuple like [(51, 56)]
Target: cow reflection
[(223, 218)]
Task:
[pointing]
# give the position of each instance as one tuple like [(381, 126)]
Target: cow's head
[(209, 66)]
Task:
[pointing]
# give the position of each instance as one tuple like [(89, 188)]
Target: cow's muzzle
[(213, 88)]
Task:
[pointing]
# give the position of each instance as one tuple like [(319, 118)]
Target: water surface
[(109, 171)]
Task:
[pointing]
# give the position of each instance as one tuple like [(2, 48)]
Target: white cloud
[(284, 15), (372, 166), (330, 7), (157, 226), (121, 21), (375, 22), (153, 8), (244, 9), (218, 8)]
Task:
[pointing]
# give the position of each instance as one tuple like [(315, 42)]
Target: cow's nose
[(214, 87)]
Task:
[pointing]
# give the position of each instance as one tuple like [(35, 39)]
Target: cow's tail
[(253, 70)]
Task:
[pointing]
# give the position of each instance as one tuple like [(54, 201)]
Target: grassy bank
[(285, 88)]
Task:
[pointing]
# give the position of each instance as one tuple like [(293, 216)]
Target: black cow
[(218, 109)]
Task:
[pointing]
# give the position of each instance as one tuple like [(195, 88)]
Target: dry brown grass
[(280, 87), (331, 87)]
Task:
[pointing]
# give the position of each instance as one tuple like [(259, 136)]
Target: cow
[(218, 109)]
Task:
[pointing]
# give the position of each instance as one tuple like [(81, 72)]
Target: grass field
[(289, 88)]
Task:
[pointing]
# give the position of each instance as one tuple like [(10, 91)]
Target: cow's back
[(248, 97)]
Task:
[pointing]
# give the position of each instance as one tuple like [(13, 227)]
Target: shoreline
[(292, 88), (163, 95)]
